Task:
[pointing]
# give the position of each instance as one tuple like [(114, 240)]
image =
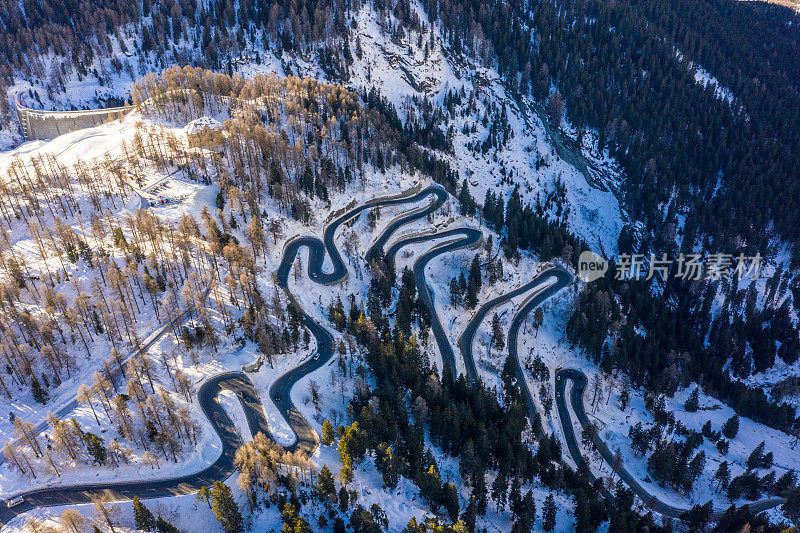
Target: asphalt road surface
[(307, 439), (221, 469), (72, 404), (579, 383), (453, 240)]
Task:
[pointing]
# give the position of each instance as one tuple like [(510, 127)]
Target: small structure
[(204, 132)]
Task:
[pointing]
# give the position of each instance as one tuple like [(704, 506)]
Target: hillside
[(375, 245)]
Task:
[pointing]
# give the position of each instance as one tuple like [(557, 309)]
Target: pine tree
[(466, 201), (791, 508), (40, 393), (96, 448), (722, 475), (480, 493), (471, 297), (142, 516), (455, 292), (698, 516), (325, 484), (162, 526), (469, 515), (346, 471), (225, 508), (759, 459), (499, 490), (475, 272), (696, 465), (693, 401), (386, 464), (785, 483), (450, 499), (515, 496), (473, 283), (731, 427), (624, 398), (497, 333), (327, 433), (549, 513)]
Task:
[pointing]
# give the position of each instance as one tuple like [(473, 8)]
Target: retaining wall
[(50, 124)]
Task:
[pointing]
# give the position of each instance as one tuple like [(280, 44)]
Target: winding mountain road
[(454, 239), (220, 469), (579, 382), (307, 439), (543, 286)]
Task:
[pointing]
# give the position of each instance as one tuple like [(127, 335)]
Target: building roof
[(202, 123)]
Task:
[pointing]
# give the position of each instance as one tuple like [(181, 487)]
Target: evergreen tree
[(325, 484), (327, 433), (466, 201), (731, 427), (142, 516), (225, 508), (469, 515), (791, 508), (549, 513), (697, 464), (698, 516), (471, 297), (450, 499), (786, 483), (759, 459), (475, 275), (40, 393), (693, 401), (387, 465), (497, 333), (722, 475), (499, 490), (480, 493), (624, 398), (455, 292), (292, 521), (162, 526), (95, 447)]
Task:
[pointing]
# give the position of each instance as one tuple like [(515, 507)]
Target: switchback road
[(307, 439), (222, 468), (579, 383)]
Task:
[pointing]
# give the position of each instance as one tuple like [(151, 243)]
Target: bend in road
[(237, 382), (562, 279), (149, 342), (579, 382), (307, 439), (220, 469), (466, 338), (458, 238)]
